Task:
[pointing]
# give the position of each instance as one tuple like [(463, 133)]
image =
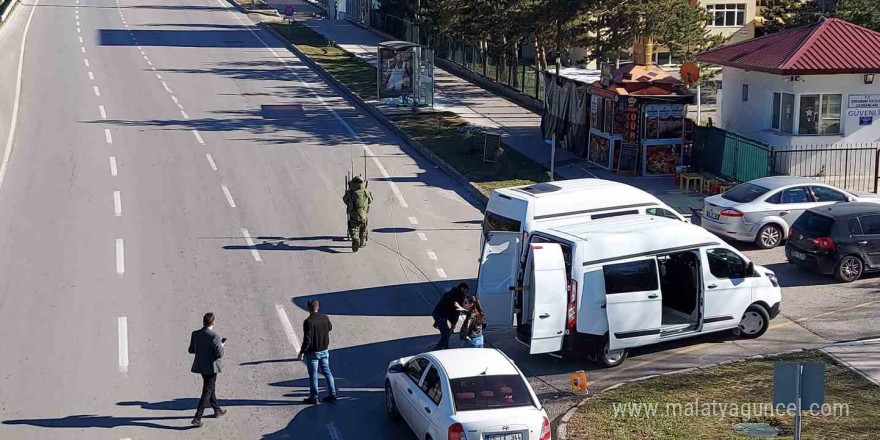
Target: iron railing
[(846, 166)]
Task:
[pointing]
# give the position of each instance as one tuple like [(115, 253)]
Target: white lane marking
[(288, 328), (78, 30), (117, 203), (180, 106), (167, 89), (97, 91), (139, 48), (80, 40), (394, 189), (211, 161), (431, 255), (441, 273), (413, 221), (183, 113), (122, 323), (108, 136), (126, 25), (198, 137), (86, 62), (13, 121), (82, 49), (91, 75), (77, 23), (158, 76), (120, 257), (150, 63), (422, 236), (146, 58), (113, 166), (174, 98), (103, 111), (142, 52), (228, 196), (250, 243), (333, 431)]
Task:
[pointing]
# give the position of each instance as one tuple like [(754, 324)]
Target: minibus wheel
[(610, 358), (754, 322)]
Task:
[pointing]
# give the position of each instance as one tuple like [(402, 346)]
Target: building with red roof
[(815, 84)]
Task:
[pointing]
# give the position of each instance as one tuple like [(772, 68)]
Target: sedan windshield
[(744, 193), (489, 392)]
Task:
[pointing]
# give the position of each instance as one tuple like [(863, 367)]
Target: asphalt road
[(146, 155)]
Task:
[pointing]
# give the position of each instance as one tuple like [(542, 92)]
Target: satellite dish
[(690, 73)]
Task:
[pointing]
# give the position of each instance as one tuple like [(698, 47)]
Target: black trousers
[(209, 382)]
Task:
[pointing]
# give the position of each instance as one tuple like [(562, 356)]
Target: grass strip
[(739, 383), (444, 133)]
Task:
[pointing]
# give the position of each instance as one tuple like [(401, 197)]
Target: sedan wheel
[(390, 404), (769, 237), (849, 269), (754, 322)]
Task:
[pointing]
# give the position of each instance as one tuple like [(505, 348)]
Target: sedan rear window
[(814, 225), (498, 223), (744, 193), (489, 392)]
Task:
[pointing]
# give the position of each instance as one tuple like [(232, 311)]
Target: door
[(549, 288), (869, 241), (498, 267), (633, 302), (408, 386), (791, 203), (726, 288), (427, 401)]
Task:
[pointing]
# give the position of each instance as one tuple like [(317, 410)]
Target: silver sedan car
[(763, 210)]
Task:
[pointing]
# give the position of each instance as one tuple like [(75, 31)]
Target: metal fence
[(729, 155), (848, 166), (510, 70)]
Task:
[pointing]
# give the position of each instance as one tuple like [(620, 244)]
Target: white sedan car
[(464, 394)]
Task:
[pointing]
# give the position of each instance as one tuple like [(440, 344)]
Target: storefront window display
[(600, 150), (662, 158)]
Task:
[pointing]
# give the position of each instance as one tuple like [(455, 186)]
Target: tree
[(787, 14), (683, 29), (861, 12)]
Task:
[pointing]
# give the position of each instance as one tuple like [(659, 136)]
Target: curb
[(562, 428), (379, 116), (842, 362), (8, 10)]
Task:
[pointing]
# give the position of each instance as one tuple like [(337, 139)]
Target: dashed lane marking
[(413, 221), (112, 166), (288, 328), (108, 136), (441, 273), (252, 245), (91, 75), (333, 432), (198, 137), (422, 236), (228, 196), (122, 324), (117, 203), (97, 91), (102, 111), (120, 257), (211, 161), (183, 113), (86, 62), (431, 255)]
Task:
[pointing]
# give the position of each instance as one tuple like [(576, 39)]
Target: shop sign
[(864, 101)]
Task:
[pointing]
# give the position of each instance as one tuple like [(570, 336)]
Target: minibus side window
[(635, 276), (725, 264), (497, 223)]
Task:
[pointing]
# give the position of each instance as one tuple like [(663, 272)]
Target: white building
[(813, 85)]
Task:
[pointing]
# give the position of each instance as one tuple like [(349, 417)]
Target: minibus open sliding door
[(634, 303), (499, 263)]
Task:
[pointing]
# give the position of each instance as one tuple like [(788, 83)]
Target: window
[(612, 214), (566, 251), (825, 194), (813, 225), (855, 228), (494, 223), (870, 224), (744, 193), (636, 276), (783, 112), (726, 15), (725, 264), (489, 392), (414, 368), (431, 386), (797, 194), (819, 114), (745, 92), (660, 212)]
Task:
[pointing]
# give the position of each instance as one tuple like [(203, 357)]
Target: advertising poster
[(599, 150), (397, 73)]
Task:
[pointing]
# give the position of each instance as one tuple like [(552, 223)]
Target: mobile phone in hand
[(223, 341)]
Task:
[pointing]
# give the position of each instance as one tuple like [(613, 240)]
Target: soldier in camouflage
[(357, 203)]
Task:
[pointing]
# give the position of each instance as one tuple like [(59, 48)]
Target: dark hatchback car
[(841, 239)]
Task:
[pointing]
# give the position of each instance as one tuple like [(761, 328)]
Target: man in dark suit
[(207, 345)]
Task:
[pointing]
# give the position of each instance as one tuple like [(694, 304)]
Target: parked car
[(599, 287), (465, 393), (843, 240), (763, 210)]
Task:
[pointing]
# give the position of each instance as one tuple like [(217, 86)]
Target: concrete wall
[(735, 33)]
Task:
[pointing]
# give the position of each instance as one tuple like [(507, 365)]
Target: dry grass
[(740, 383)]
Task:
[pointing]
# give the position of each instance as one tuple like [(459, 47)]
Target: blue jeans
[(321, 360), (475, 342)]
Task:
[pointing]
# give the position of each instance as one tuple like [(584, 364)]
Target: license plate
[(514, 436), (713, 215), (799, 255)]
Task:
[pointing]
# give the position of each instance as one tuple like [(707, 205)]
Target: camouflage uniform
[(357, 203)]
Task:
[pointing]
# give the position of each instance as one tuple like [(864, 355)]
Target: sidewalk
[(520, 127), (863, 356)]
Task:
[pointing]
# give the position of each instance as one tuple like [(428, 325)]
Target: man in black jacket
[(316, 340), (207, 345), (447, 311)]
